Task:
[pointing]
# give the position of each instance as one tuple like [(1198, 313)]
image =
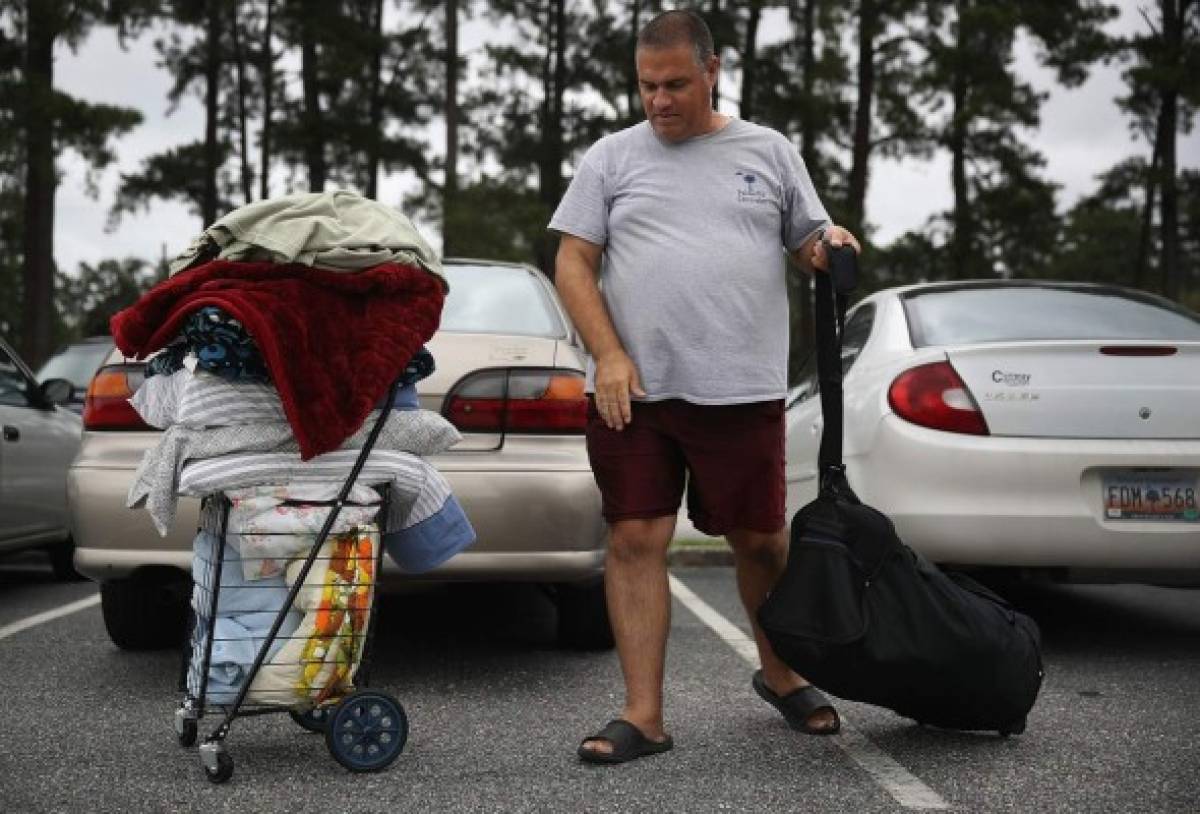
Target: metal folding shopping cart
[(313, 660)]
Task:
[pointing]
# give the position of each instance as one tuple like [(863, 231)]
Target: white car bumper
[(1020, 501)]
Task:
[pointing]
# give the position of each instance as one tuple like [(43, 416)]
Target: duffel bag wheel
[(367, 731), (1015, 728)]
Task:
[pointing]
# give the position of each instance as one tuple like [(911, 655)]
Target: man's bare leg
[(639, 607), (759, 560)]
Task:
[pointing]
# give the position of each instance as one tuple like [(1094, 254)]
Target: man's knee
[(640, 540), (763, 548)]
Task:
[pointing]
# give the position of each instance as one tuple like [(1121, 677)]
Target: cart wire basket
[(283, 622)]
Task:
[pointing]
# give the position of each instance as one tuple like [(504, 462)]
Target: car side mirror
[(56, 391)]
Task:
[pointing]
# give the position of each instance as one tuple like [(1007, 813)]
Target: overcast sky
[(1082, 134)]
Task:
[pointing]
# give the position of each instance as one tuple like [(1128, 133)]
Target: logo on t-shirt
[(752, 188)]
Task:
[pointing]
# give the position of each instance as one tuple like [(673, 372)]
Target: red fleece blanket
[(332, 341)]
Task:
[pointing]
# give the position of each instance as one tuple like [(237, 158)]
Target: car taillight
[(935, 396), (107, 404), (529, 400)]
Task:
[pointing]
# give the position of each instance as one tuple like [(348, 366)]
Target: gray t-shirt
[(693, 270)]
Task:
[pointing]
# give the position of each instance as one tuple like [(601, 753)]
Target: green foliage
[(363, 75), (1004, 220), (945, 82), (1101, 233), (176, 174), (1152, 64), (512, 229), (915, 257), (86, 301), (818, 106), (39, 123)]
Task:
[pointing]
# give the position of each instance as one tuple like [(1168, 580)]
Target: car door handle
[(817, 426), (11, 433)]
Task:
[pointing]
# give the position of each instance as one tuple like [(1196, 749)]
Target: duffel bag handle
[(832, 291)]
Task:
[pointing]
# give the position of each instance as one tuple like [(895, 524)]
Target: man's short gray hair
[(679, 27)]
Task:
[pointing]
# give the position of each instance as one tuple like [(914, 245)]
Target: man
[(684, 218)]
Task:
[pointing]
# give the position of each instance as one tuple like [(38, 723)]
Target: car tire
[(62, 561), (144, 612), (583, 622)]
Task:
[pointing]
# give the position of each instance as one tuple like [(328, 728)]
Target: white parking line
[(50, 615), (897, 781)]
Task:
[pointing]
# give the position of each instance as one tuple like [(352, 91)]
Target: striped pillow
[(202, 399)]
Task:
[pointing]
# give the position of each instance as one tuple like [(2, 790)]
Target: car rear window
[(499, 299), (956, 316), (76, 364)]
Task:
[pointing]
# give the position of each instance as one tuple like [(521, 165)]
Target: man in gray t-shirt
[(684, 220)]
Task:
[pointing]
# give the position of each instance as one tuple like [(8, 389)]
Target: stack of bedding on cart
[(278, 335)]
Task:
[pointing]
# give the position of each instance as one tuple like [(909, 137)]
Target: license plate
[(1169, 495)]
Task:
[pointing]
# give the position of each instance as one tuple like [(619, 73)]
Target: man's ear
[(713, 69)]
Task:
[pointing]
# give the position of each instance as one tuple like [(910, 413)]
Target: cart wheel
[(187, 732), (224, 769), (314, 720), (367, 731)]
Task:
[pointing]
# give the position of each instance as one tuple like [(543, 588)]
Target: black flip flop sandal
[(798, 706), (627, 741)]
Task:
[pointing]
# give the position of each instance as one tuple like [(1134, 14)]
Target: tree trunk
[(375, 85), (714, 18), (750, 61), (802, 340), (37, 245), (268, 82), (868, 24), (450, 185), (554, 189), (808, 62), (547, 110), (314, 135), (631, 80), (212, 92), (239, 62), (1169, 113), (1145, 236), (961, 262), (554, 70), (553, 87)]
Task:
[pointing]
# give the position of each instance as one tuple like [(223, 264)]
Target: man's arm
[(575, 271), (811, 254)]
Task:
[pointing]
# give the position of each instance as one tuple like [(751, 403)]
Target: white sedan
[(1030, 424)]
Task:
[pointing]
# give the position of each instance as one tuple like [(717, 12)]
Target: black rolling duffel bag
[(863, 616)]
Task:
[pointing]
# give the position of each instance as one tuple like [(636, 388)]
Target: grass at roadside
[(698, 542)]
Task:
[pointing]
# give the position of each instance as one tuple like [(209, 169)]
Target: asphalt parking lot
[(496, 712)]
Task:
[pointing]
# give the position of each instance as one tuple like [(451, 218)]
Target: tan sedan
[(509, 376)]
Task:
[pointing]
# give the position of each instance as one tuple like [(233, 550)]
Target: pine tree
[(1163, 100), (49, 122), (1003, 220)]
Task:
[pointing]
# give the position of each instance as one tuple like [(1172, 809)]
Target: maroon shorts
[(729, 456)]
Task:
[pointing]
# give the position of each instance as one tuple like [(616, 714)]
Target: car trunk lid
[(1085, 388), (458, 355)]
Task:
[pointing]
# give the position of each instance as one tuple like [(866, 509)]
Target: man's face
[(676, 91)]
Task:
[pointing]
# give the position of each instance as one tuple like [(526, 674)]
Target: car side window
[(806, 383), (14, 387), (855, 335)]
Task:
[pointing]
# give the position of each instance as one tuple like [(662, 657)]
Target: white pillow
[(202, 399)]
